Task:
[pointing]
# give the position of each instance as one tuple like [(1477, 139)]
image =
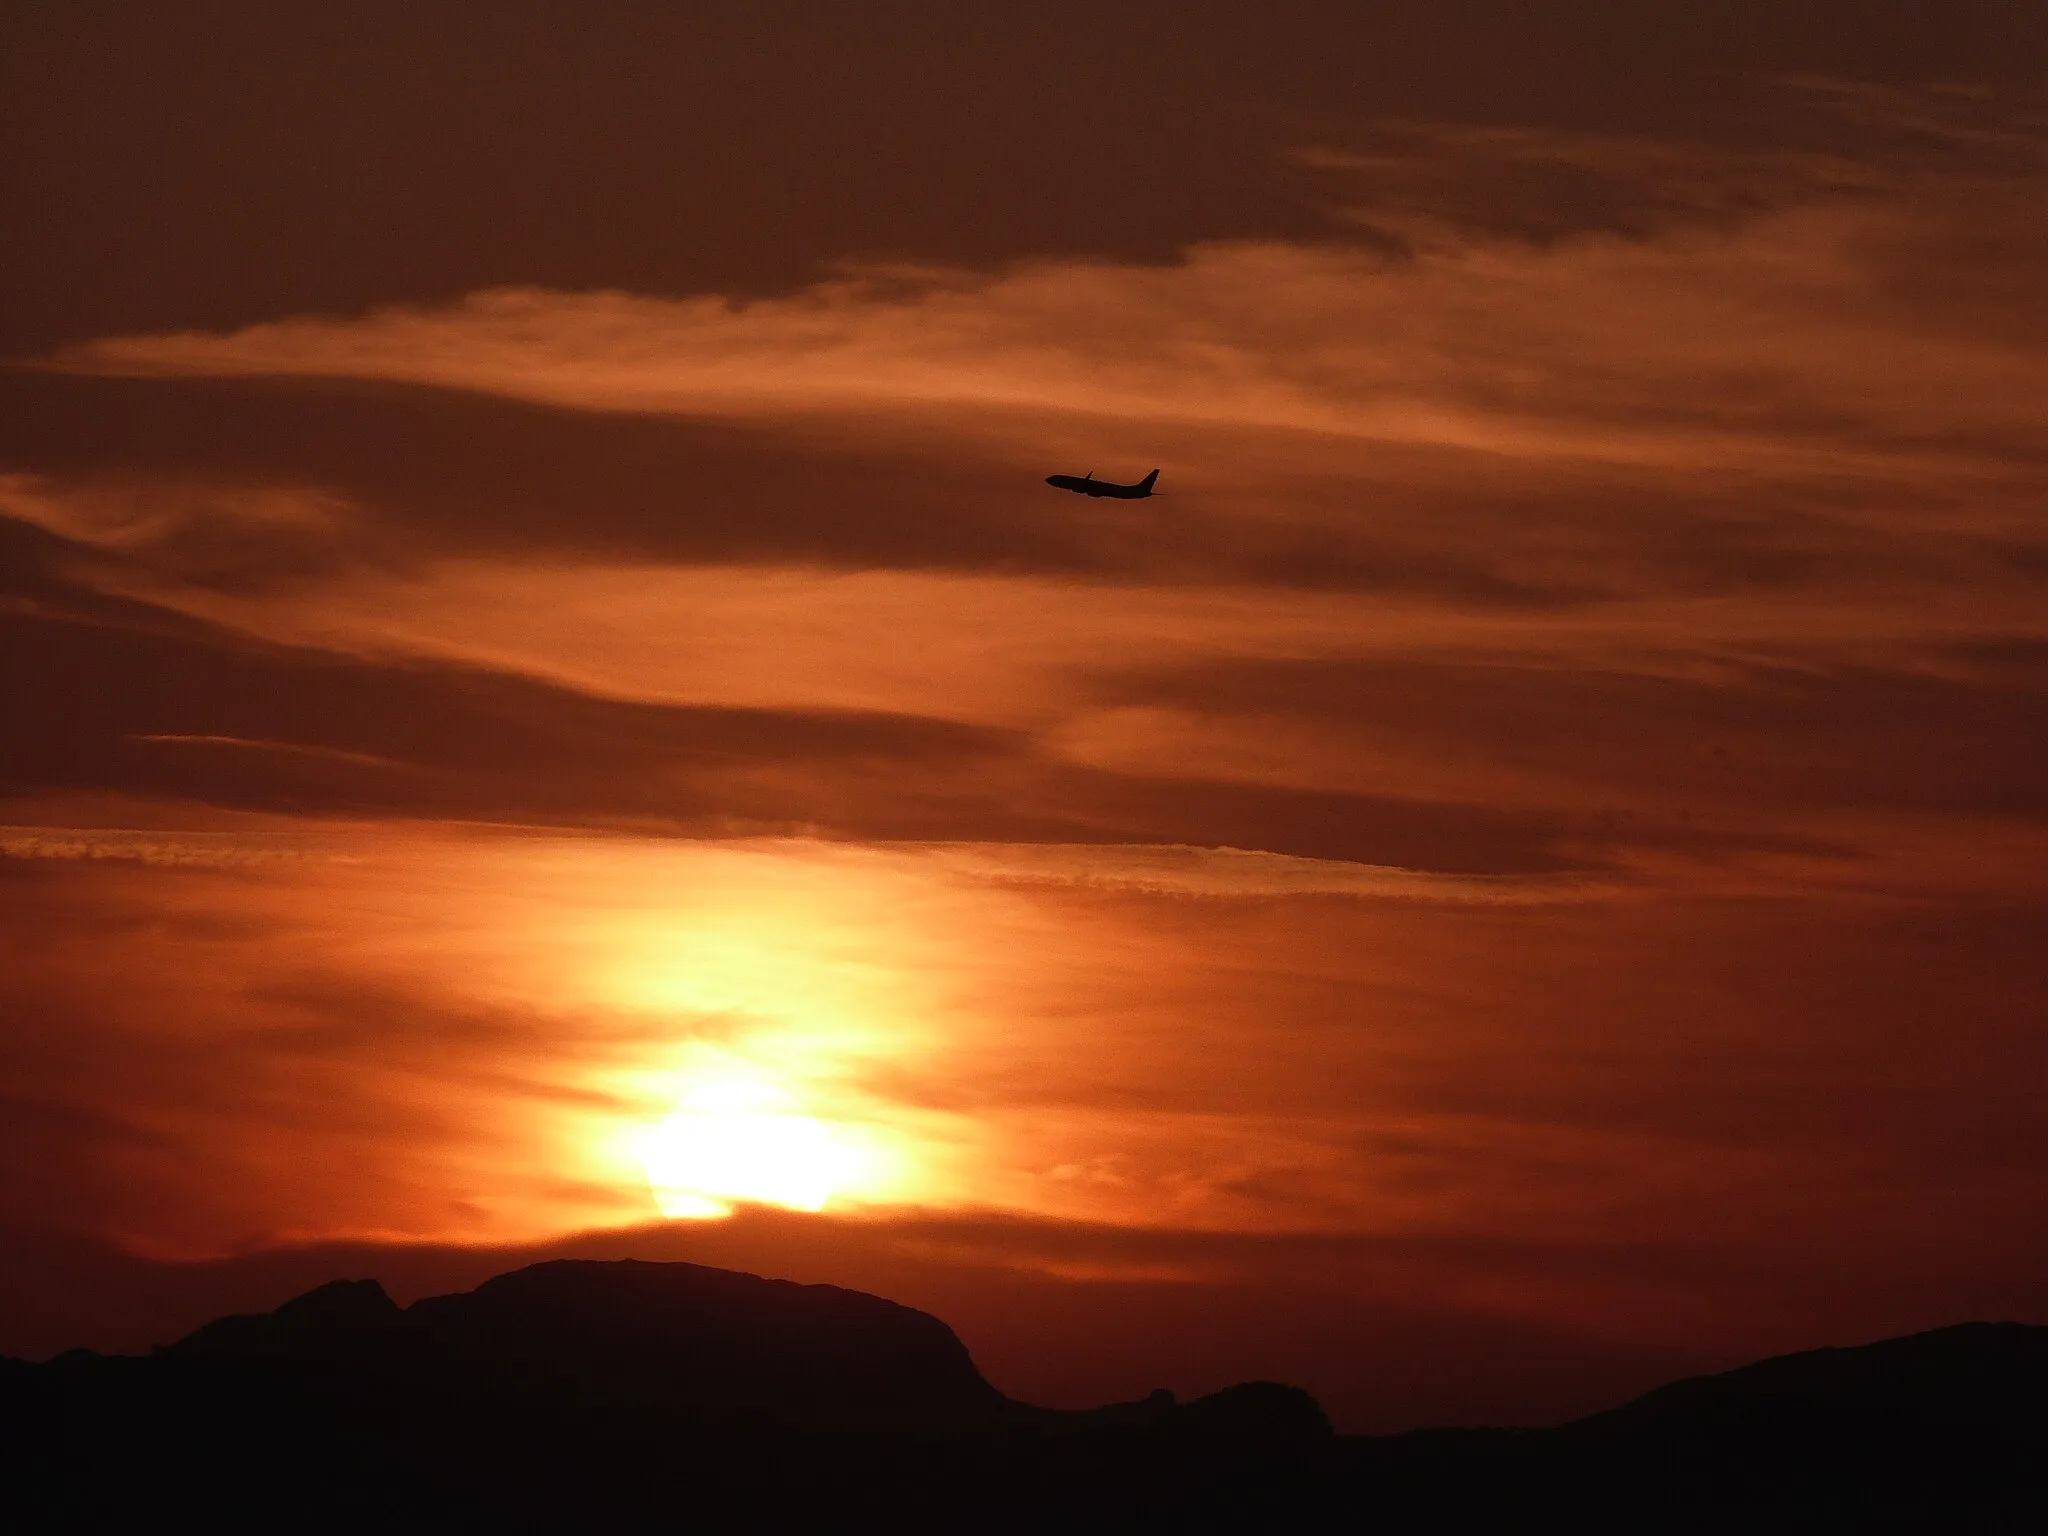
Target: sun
[(737, 1139)]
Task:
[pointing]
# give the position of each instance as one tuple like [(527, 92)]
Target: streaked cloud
[(1797, 336)]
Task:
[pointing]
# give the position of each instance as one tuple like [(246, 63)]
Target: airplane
[(1088, 485)]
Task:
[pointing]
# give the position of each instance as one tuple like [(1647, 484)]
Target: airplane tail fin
[(1145, 484)]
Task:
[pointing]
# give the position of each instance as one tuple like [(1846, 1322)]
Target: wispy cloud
[(176, 849), (1165, 870), (1802, 334)]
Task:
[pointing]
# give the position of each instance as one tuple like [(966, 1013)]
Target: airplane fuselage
[(1088, 485)]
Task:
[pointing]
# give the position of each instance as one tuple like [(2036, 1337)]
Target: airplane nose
[(1052, 479)]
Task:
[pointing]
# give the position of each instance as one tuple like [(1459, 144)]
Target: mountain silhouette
[(576, 1396), (679, 1341), (1945, 1431)]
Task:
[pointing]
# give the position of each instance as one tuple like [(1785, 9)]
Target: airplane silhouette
[(1088, 485)]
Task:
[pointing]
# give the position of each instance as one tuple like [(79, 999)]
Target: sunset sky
[(546, 707)]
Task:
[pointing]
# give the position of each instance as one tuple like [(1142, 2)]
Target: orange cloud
[(1801, 337)]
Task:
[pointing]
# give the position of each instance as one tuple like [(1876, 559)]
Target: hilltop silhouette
[(687, 1343), (581, 1395)]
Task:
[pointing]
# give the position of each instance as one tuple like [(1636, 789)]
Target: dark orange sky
[(547, 707)]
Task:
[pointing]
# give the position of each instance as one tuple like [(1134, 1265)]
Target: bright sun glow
[(736, 1139)]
